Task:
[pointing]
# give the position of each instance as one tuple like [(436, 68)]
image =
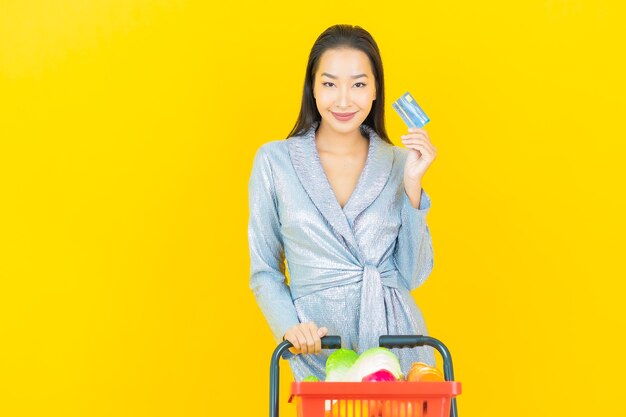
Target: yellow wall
[(127, 132)]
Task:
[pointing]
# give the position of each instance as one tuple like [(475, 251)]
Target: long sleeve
[(413, 253), (267, 270)]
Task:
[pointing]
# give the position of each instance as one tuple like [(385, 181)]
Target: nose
[(344, 97)]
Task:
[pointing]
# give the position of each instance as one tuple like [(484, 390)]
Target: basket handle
[(410, 341), (328, 342)]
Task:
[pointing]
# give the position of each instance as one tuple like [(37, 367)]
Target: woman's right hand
[(305, 338)]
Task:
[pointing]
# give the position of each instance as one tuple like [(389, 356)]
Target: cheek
[(365, 98), (324, 97)]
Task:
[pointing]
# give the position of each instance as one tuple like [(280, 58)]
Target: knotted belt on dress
[(372, 316)]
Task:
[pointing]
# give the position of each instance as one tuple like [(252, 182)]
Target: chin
[(344, 127)]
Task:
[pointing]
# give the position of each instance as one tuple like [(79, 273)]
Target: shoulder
[(272, 149), (399, 156), (400, 153), (271, 156)]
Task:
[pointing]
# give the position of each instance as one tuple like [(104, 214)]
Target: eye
[(327, 82), (362, 84)]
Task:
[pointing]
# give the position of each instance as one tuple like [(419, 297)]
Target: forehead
[(344, 62)]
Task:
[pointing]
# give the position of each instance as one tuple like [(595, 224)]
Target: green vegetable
[(339, 363), (311, 378)]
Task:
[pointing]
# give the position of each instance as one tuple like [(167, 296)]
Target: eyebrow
[(335, 77)]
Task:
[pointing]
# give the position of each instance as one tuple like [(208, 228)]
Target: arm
[(413, 254), (267, 270)]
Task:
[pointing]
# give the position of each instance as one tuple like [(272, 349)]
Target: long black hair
[(339, 36)]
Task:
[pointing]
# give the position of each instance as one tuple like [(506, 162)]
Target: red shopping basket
[(372, 399)]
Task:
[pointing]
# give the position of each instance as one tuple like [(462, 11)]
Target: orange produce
[(422, 372)]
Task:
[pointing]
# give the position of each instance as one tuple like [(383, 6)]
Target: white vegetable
[(373, 360)]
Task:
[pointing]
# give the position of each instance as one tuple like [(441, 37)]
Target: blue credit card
[(410, 111)]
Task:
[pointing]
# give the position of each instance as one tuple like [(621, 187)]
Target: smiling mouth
[(343, 114)]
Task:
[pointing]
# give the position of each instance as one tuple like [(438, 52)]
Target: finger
[(418, 130), (321, 332), (302, 342), (422, 149), (317, 343), (315, 332), (416, 142), (293, 339), (312, 332), (419, 154), (408, 141), (310, 338), (415, 136)]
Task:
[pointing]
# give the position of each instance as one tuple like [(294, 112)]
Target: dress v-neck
[(309, 170), (359, 181)]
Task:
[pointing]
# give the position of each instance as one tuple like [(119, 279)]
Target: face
[(344, 89)]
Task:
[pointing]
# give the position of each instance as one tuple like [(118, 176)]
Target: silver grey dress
[(350, 269)]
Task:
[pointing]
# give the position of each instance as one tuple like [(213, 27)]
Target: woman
[(345, 209)]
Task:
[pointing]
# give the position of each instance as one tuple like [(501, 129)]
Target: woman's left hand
[(421, 154)]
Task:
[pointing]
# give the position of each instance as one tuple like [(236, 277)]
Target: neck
[(328, 140)]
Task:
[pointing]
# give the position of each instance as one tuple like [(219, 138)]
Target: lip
[(343, 116)]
